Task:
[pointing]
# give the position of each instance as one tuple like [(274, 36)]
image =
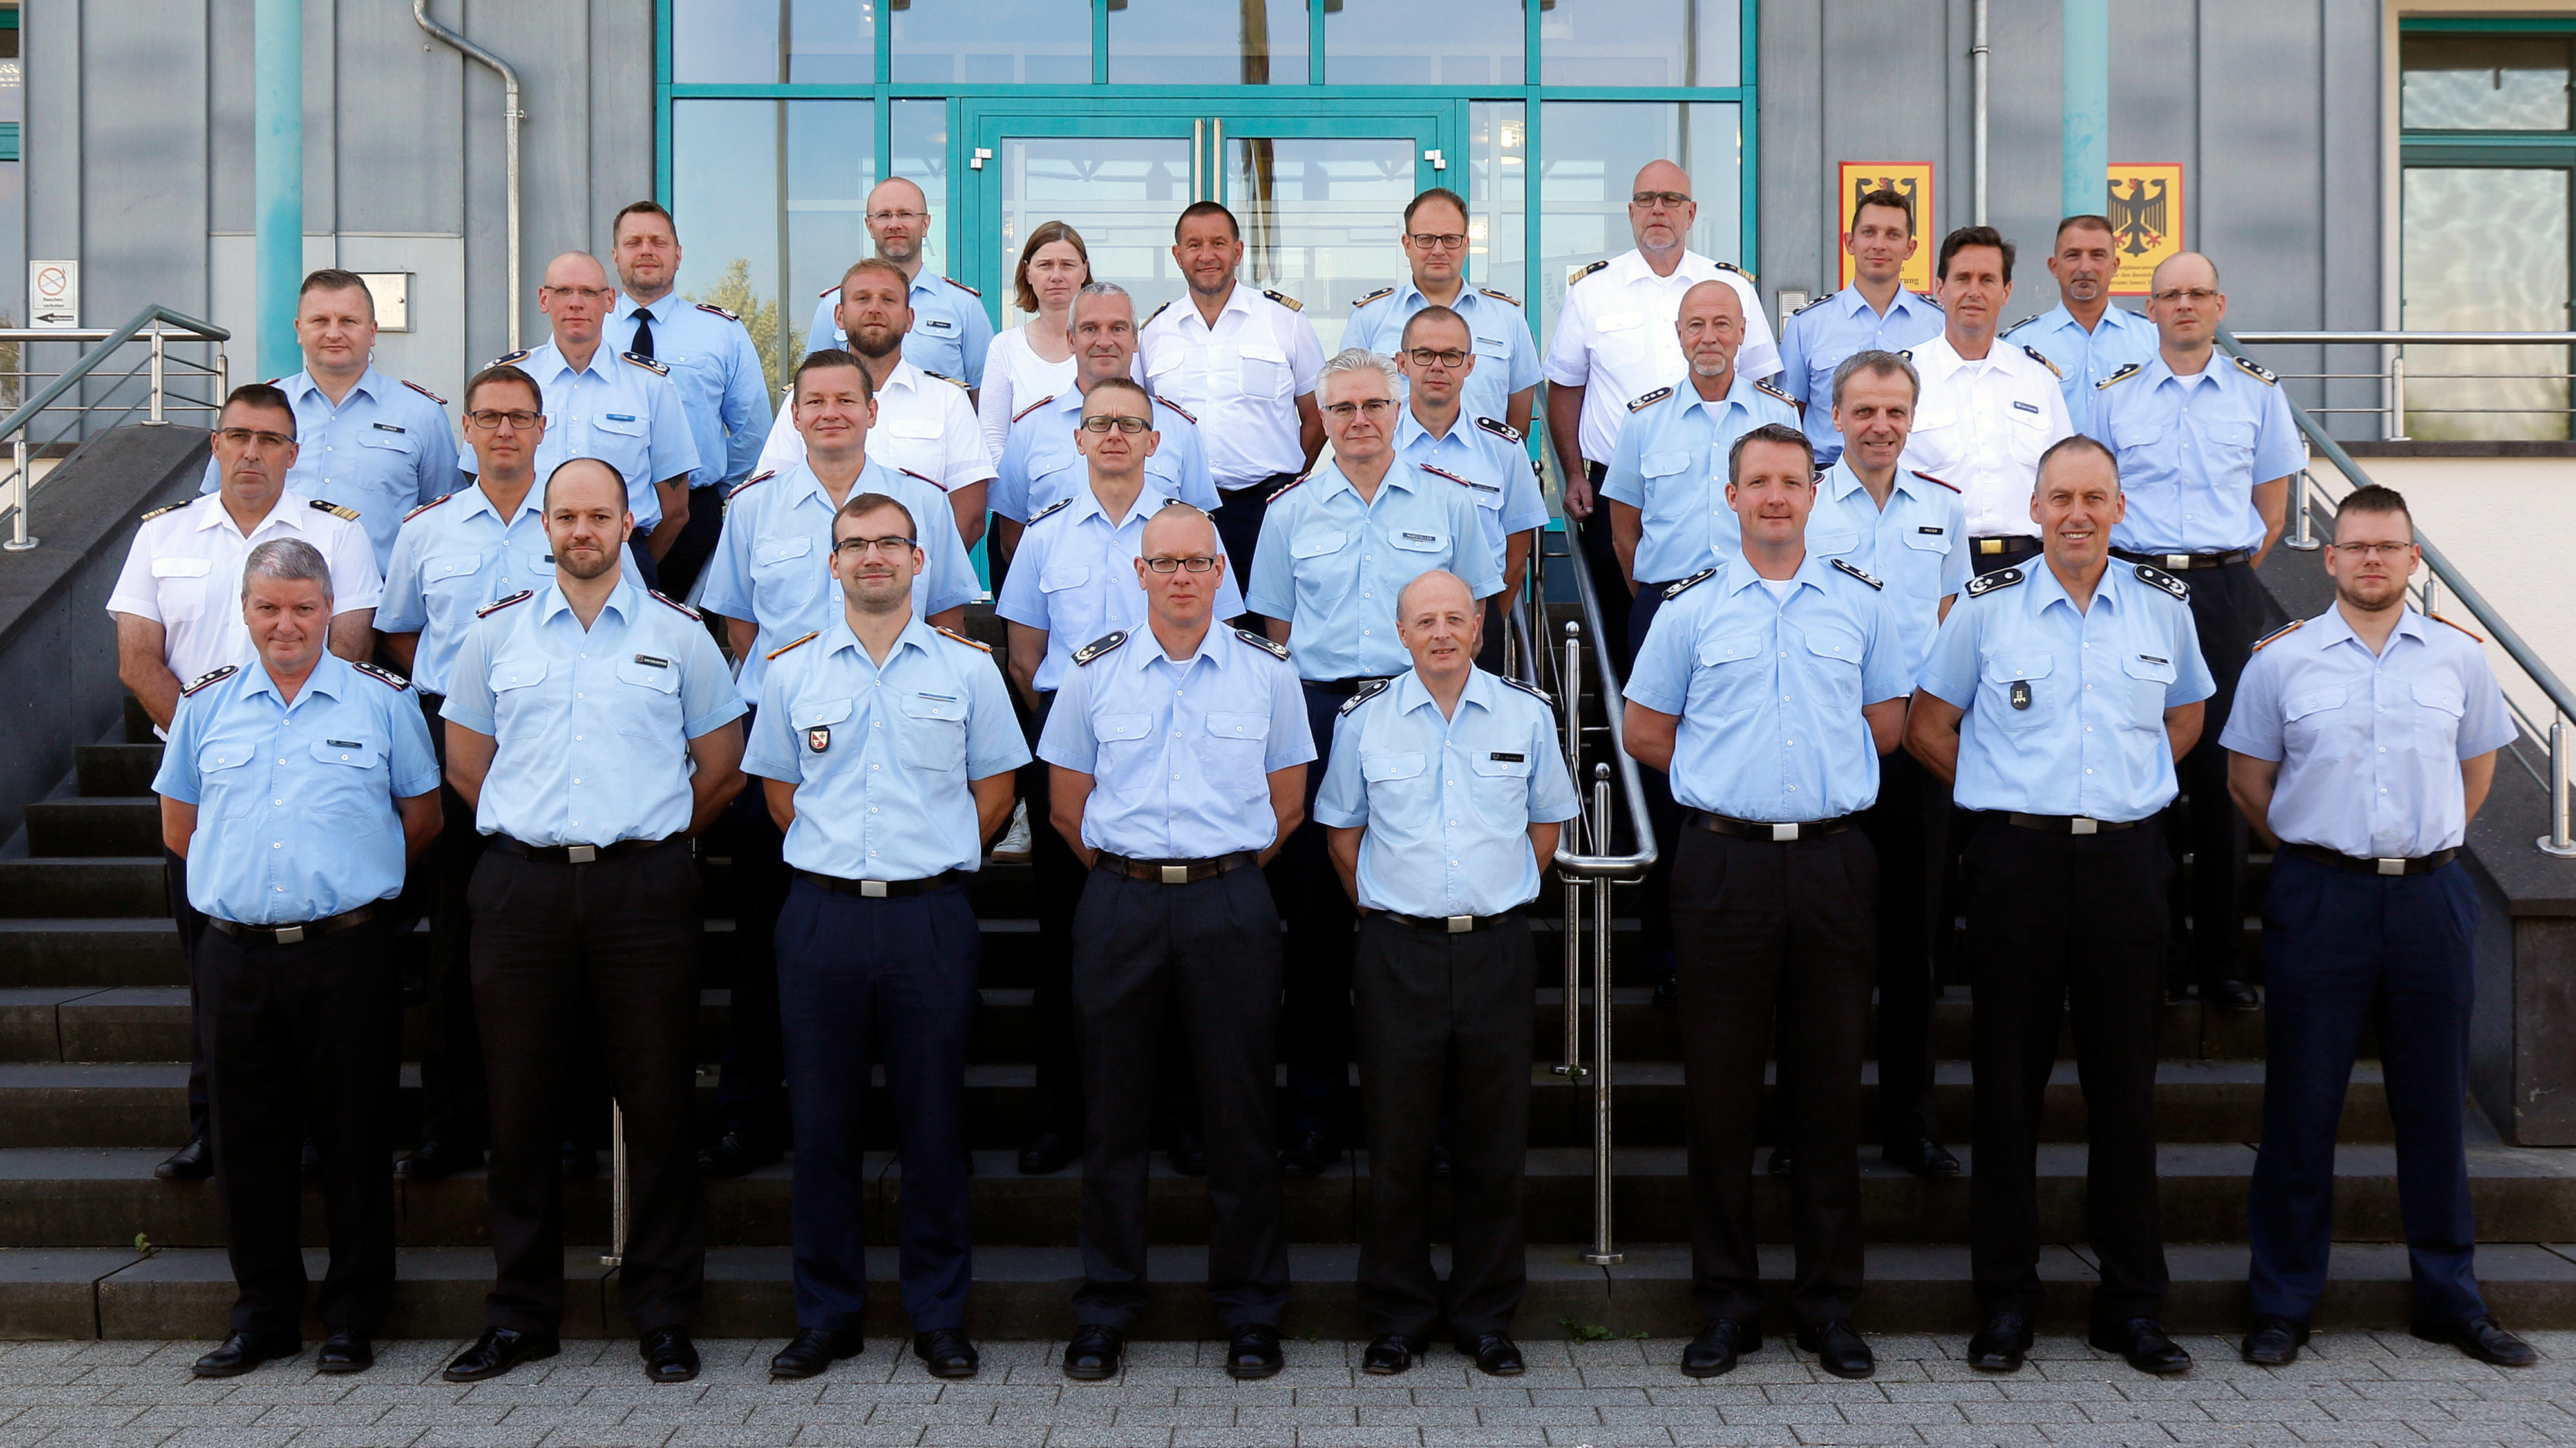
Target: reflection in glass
[(1386, 42), (1207, 42), (1320, 219), (2483, 82), (1497, 196), (1121, 193), (720, 41), (2485, 251), (1641, 42), (992, 42), (752, 230), (920, 131), (1593, 151)]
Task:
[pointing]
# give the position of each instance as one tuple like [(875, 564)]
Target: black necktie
[(643, 332)]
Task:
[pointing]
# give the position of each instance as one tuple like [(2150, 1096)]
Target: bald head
[(1661, 176), (1662, 221), (898, 218), (576, 269), (2184, 269), (2184, 302), (1711, 327), (1437, 620), (898, 192), (1178, 531), (575, 297), (1437, 588)]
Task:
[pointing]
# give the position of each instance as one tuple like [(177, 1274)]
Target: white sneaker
[(1014, 848)]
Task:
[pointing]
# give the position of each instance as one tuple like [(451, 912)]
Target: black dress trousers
[(2227, 612), (192, 928), (453, 1101), (1320, 921), (1056, 877)]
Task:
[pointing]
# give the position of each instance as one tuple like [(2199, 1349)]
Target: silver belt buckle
[(2392, 867), (2083, 825), (1176, 874), (581, 854), (1461, 924), (290, 935), (2178, 560), (872, 889), (1784, 832)]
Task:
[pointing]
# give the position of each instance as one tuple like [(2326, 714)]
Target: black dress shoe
[(191, 1163), (1838, 1349), (1188, 1154), (2234, 995), (1718, 1346), (1254, 1353), (946, 1353), (735, 1154), (1442, 1162), (1496, 1355), (437, 1160), (1307, 1154), (669, 1356), (346, 1350), (415, 988), (2274, 1342), (1920, 1155), (2000, 1345), (2143, 1342), (240, 1352), (1389, 1353), (2483, 1339), (580, 1163), (813, 1349), (1048, 1153), (1094, 1353), (1784, 1159), (310, 1161), (497, 1351), (1667, 993)]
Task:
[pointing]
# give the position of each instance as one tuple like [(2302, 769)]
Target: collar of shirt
[(2158, 372), (1810, 575), (1408, 427), (2332, 629), (1630, 266), (801, 484), (1185, 309), (1330, 482), (1411, 694), (330, 679), (301, 386), (622, 601), (1739, 394), (287, 512), (1906, 303), (904, 378), (547, 362), (1086, 507), (1841, 482), (471, 499), (2047, 592), (1212, 651), (2113, 319), (915, 638), (666, 307)]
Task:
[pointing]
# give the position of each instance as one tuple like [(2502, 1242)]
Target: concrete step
[(1022, 1293), (107, 825), (125, 950), (115, 770), (83, 885)]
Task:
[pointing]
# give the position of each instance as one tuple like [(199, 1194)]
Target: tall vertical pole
[(277, 179), (2088, 106)]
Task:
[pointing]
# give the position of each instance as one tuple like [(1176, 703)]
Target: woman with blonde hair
[(1034, 360)]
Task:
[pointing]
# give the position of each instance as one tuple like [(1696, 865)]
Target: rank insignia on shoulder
[(944, 377), (498, 604), (972, 643), (2042, 359), (1687, 584), (2256, 369), (1650, 399), (1927, 477), (336, 510), (934, 482), (1285, 300), (1453, 477), (657, 368), (382, 675), (1928, 299), (2129, 371), (425, 507), (1099, 646), (675, 603), (1050, 510), (1284, 490), (508, 358), (961, 286), (1856, 573), (1728, 266), (1985, 583), (1032, 407), (2284, 631), (1150, 316), (1504, 297), (152, 513), (1811, 306), (1765, 386), (425, 392), (2017, 326), (719, 311), (1499, 428), (1579, 273), (1380, 294), (2148, 573), (773, 654), (211, 676), (827, 291), (2437, 618), (1366, 692), (1533, 690), (1184, 413), (1263, 642), (764, 475)]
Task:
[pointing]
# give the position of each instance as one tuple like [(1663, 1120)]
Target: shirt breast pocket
[(1662, 470), (1413, 541), (1396, 779), (518, 705), (810, 714), (1265, 370), (2438, 708), (913, 427), (2149, 681), (451, 576), (1124, 759), (345, 779), (2231, 445), (1834, 658), (179, 587), (1730, 678), (2313, 724), (224, 788), (648, 700), (1937, 438), (2016, 692), (625, 441), (782, 575), (382, 442), (934, 733), (2029, 433), (1321, 576), (1501, 790), (1621, 336), (1237, 744)]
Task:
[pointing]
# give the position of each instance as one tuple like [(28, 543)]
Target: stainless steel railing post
[(156, 419), (1572, 680), (1602, 1254), (2557, 842), (19, 541), (2303, 526)]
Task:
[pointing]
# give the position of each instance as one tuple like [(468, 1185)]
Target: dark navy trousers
[(2341, 949), (860, 980)]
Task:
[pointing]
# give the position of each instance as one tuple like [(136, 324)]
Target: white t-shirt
[(1014, 377)]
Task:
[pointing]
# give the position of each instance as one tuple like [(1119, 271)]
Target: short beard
[(607, 561)]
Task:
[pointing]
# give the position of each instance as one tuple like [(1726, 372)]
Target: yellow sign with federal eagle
[(1909, 179), (2144, 204)]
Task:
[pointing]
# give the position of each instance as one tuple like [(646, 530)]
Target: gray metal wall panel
[(621, 110), (1793, 146), (396, 152), (143, 187), (2351, 199), (51, 37), (229, 157)]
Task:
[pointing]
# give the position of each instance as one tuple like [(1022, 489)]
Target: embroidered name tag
[(2149, 659), (648, 659), (344, 743), (1501, 758), (387, 427), (621, 417), (1934, 531), (2026, 407)]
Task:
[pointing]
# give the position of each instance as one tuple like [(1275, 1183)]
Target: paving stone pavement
[(2350, 1390)]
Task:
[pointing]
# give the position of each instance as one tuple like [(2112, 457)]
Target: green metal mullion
[(1100, 42), (2562, 153), (1748, 162), (2487, 25), (1529, 46), (1376, 96), (2501, 143), (662, 101), (1314, 42)]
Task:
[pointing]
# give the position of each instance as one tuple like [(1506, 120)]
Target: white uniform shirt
[(1615, 338), (924, 426), (1014, 378), (1240, 378), (185, 571), (1980, 427)]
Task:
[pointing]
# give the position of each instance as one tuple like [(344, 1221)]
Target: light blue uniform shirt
[(717, 369), (1823, 333), (1670, 465), (623, 413), (2084, 359), (773, 565), (593, 724), (295, 802), (1075, 577), (2191, 450), (1447, 801), (1487, 453), (950, 332), (1917, 545), (1180, 754), (883, 758), (453, 557), (384, 450), (1507, 356), (1041, 465), (2369, 744), (1770, 691), (2087, 736), (1333, 565)]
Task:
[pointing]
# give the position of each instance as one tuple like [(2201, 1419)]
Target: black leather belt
[(573, 854), (1452, 924), (1782, 832), (2185, 562), (2392, 865), (2069, 824), (294, 934), (1178, 872), (1996, 543), (1344, 688), (880, 889)]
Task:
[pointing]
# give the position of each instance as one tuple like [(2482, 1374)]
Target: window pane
[(1641, 42), (719, 41), (749, 232), (1498, 196), (1120, 193), (1207, 42), (1385, 42), (2483, 82), (992, 42), (1592, 152), (1320, 219), (2485, 251), (921, 156)]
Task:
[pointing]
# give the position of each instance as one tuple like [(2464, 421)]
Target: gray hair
[(286, 559), (1877, 364), (1097, 289), (1361, 359)]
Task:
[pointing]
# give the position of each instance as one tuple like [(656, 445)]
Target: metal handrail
[(80, 370), (2398, 339), (14, 428), (1628, 868)]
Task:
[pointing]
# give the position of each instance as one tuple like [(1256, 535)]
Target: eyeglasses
[(1670, 200), (2194, 295), (582, 294), (246, 436), (2390, 551), (490, 421), (1196, 563), (1375, 407), (887, 546), (895, 216), (1432, 357), (1437, 240), (1105, 421)]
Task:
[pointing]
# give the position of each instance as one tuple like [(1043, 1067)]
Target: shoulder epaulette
[(1739, 271), (1927, 477), (2437, 618), (2282, 632), (1264, 642), (2042, 359), (773, 654), (498, 604), (1505, 297), (1032, 407), (1927, 299), (1379, 295), (944, 377), (272, 382), (2156, 577), (382, 675), (1856, 573), (1284, 490), (947, 632), (1985, 583), (675, 603), (2269, 377), (1099, 646), (508, 358), (336, 510), (934, 482), (1687, 584), (425, 507), (1365, 693), (719, 311), (1150, 316), (827, 291), (1765, 386), (1185, 414), (152, 513), (1499, 428), (961, 286), (1453, 477), (2129, 371), (211, 676), (658, 369), (1650, 399), (1533, 690), (1818, 302), (1285, 300), (2017, 326), (764, 475), (425, 392), (1579, 273), (1051, 509)]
